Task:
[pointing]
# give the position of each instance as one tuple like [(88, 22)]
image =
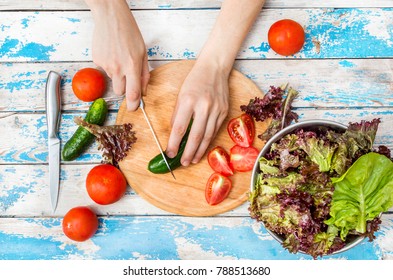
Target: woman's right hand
[(118, 48)]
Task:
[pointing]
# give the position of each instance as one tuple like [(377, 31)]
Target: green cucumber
[(82, 138), (157, 164)]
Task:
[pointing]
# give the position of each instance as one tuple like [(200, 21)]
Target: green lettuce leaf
[(320, 152), (362, 193)]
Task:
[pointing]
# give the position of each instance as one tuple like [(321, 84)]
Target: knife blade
[(142, 106), (53, 109)]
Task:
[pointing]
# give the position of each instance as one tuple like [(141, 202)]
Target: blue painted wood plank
[(31, 129), (324, 83), (24, 191), (165, 239), (186, 4), (330, 33)]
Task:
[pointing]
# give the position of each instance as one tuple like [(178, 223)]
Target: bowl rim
[(255, 171)]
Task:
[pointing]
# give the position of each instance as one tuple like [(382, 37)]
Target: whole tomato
[(80, 223), (88, 84), (105, 184), (286, 37)]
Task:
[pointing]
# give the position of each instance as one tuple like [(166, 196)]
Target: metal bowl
[(352, 241)]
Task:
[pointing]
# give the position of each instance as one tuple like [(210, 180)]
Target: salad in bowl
[(320, 187)]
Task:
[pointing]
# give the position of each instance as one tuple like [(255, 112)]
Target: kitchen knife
[(53, 108), (142, 106)]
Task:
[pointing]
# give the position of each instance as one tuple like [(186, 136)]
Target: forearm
[(232, 25), (105, 8)]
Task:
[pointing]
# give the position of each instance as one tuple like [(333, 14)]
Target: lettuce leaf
[(273, 105), (361, 193)]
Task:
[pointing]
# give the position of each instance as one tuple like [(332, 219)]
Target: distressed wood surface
[(166, 238), (184, 4), (344, 73), (31, 132), (322, 83), (180, 34)]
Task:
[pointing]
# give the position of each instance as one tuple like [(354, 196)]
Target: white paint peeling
[(378, 28), (200, 224), (140, 257), (190, 251), (385, 240), (258, 230), (353, 91), (29, 229)]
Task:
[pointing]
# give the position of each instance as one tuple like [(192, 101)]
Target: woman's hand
[(118, 47), (204, 93), (203, 97)]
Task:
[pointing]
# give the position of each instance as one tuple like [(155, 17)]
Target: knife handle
[(53, 103)]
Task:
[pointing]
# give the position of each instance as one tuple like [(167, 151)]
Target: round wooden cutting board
[(185, 195)]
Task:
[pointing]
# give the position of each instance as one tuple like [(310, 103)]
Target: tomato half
[(286, 37), (105, 184), (217, 188), (80, 223), (88, 84), (242, 159), (242, 130), (218, 160)]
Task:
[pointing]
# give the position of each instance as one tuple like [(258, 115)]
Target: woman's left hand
[(203, 97)]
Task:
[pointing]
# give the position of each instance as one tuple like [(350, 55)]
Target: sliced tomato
[(218, 160), (217, 188), (243, 158), (242, 130)]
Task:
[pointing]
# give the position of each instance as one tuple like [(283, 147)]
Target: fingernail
[(132, 106), (170, 154), (185, 163)]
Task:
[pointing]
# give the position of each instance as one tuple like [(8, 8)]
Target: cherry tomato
[(217, 188), (80, 223), (218, 160), (242, 159), (242, 130), (286, 37), (105, 184), (88, 84)]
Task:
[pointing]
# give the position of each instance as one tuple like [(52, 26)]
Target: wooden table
[(344, 73)]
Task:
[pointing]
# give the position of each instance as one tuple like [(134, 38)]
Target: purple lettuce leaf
[(114, 140), (272, 106)]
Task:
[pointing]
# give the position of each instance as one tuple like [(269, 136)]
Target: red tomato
[(286, 37), (217, 188), (88, 84), (243, 158), (105, 184), (242, 130), (80, 223), (218, 160)]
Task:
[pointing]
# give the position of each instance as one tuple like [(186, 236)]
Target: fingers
[(179, 128), (212, 126), (145, 76), (136, 84), (133, 91), (119, 84), (204, 128), (132, 84), (201, 134)]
